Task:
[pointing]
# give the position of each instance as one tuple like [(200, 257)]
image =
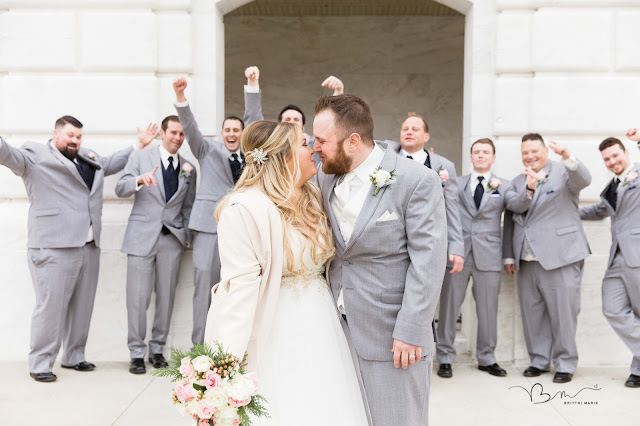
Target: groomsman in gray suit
[(164, 185), (550, 246), (482, 201), (220, 167), (414, 135), (64, 182), (388, 219), (621, 284)]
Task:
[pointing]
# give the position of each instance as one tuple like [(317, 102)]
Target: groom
[(391, 247)]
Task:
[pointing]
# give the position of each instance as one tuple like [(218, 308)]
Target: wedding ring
[(412, 356)]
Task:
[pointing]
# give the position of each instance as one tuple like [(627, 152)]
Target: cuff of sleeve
[(508, 261), (181, 104), (251, 89), (138, 186), (571, 163)]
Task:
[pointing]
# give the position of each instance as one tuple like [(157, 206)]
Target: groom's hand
[(405, 354)]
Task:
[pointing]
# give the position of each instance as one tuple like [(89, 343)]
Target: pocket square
[(494, 194), (550, 192), (386, 216)]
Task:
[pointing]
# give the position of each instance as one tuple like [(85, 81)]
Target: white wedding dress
[(306, 373)]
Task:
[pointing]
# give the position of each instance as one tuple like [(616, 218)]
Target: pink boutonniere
[(494, 184), (186, 170), (444, 174), (92, 156), (631, 176), (542, 177)]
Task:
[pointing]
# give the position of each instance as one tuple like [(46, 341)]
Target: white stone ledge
[(38, 40), (111, 40), (587, 104), (96, 4), (567, 40), (513, 41), (627, 38), (105, 104)]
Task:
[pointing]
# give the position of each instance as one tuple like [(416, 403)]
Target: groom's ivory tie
[(346, 217)]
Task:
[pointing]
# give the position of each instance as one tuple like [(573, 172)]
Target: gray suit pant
[(206, 273), (550, 303), (65, 282), (621, 305), (486, 287), (158, 271)]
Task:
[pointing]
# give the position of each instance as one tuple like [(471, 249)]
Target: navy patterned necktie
[(477, 196)]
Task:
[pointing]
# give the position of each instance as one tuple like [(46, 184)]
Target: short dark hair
[(352, 115), (295, 108), (233, 117), (533, 137), (167, 119), (67, 119), (485, 141), (424, 122), (609, 142)]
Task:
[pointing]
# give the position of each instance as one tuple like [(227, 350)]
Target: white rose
[(241, 388), (226, 416), (216, 397), (202, 363), (192, 407), (381, 177)]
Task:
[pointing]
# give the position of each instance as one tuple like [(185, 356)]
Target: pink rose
[(186, 368), (206, 412), (495, 183), (237, 404), (444, 175), (92, 155), (185, 391), (212, 379), (254, 378), (631, 176), (187, 168), (541, 175)]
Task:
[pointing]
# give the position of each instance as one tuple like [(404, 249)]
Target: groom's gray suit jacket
[(150, 209), (62, 206), (391, 271)]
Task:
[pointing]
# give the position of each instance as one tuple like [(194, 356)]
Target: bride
[(273, 300)]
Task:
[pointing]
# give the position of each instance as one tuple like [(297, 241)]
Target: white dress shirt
[(419, 156), (474, 181), (348, 198), (164, 157)]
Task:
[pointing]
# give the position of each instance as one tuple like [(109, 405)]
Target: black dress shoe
[(445, 371), (493, 369), (81, 366), (137, 366), (158, 360), (533, 372), (633, 381), (562, 377), (44, 377)]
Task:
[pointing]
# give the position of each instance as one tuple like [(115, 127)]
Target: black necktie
[(612, 193), (477, 196), (427, 162), (236, 167), (409, 157), (170, 180), (86, 172)]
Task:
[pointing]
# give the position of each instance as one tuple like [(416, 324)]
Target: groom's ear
[(353, 142)]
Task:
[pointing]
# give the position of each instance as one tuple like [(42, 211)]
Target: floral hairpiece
[(259, 156)]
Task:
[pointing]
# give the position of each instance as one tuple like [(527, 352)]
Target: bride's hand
[(405, 354)]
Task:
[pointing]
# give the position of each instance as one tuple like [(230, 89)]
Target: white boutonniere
[(631, 176), (92, 156), (494, 184), (186, 170), (381, 178), (542, 177)]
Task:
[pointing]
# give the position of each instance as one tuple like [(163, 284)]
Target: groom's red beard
[(339, 165)]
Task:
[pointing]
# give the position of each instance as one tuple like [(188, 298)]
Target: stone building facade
[(568, 69)]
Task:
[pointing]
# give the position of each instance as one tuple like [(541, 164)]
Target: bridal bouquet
[(213, 387)]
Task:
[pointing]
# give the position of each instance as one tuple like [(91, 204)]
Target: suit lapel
[(68, 164), (227, 165), (157, 161), (541, 188), (180, 179), (466, 194), (487, 194), (603, 197), (327, 189), (371, 202), (623, 190)]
